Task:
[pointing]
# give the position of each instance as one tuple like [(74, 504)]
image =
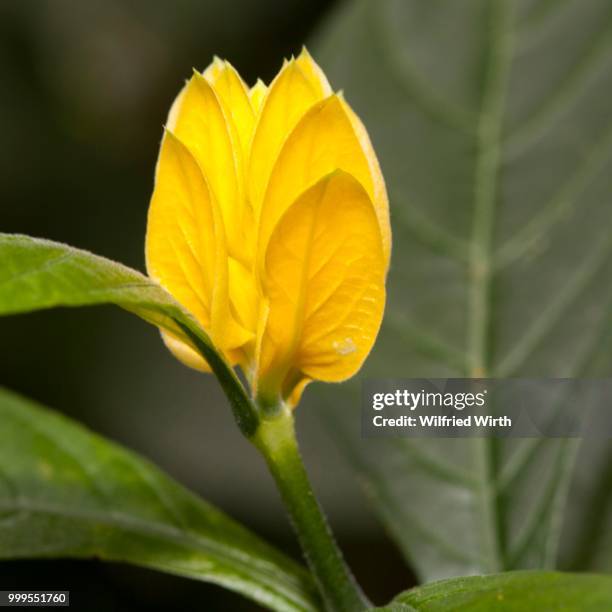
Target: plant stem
[(275, 439), (269, 425)]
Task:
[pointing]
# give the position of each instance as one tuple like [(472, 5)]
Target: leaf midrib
[(480, 268)]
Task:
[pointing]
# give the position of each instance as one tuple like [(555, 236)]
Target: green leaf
[(492, 123), (37, 274), (66, 492), (510, 592)]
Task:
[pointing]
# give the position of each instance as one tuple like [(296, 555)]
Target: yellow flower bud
[(269, 222)]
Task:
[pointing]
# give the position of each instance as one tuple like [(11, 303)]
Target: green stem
[(275, 438), (270, 427)]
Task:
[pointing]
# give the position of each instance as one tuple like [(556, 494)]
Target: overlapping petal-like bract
[(269, 221)]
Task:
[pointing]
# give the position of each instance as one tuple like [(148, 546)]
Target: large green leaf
[(510, 592), (66, 492), (36, 274), (494, 129)]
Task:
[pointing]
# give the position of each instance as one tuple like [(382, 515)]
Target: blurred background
[(86, 87)]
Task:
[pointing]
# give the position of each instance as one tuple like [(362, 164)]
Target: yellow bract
[(269, 222)]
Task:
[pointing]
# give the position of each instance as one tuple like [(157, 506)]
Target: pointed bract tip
[(168, 133), (200, 78)]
